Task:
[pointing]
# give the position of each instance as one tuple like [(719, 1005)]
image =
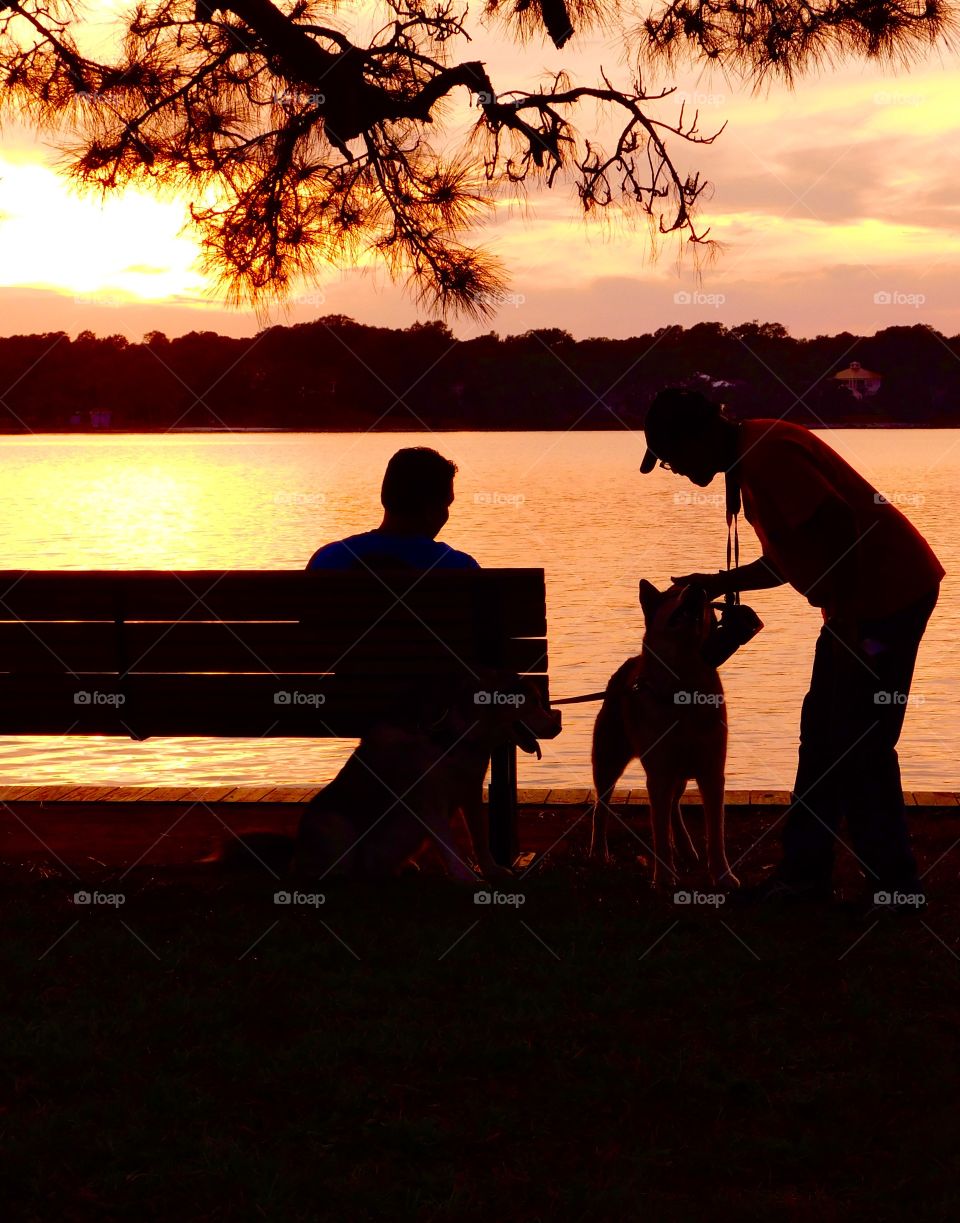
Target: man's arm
[(761, 574), (829, 535)]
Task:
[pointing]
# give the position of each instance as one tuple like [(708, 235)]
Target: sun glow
[(128, 247)]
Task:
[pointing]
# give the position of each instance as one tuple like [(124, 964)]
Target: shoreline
[(459, 427)]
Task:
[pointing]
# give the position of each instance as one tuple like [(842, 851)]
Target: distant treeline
[(336, 374)]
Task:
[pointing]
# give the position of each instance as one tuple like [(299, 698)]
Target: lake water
[(573, 503)]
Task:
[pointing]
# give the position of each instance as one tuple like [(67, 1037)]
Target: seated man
[(416, 495)]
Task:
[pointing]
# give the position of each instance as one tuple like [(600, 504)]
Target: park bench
[(259, 654)]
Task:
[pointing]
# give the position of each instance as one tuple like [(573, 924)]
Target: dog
[(666, 707), (400, 791)]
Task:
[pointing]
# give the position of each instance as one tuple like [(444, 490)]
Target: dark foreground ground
[(596, 1052)]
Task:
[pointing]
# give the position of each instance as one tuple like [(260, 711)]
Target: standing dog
[(666, 708)]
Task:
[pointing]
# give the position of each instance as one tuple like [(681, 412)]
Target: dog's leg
[(711, 794), (684, 842), (437, 819), (661, 809), (611, 755), (599, 845)]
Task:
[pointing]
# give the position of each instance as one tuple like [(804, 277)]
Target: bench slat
[(243, 706), (516, 596), (97, 646)]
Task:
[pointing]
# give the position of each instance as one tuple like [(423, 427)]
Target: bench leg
[(503, 805)]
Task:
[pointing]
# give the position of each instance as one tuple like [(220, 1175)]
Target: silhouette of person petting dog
[(826, 531)]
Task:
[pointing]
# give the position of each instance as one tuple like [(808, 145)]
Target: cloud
[(144, 269)]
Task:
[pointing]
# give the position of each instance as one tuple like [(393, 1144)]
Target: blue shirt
[(378, 549)]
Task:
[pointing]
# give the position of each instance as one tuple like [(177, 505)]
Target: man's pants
[(848, 765)]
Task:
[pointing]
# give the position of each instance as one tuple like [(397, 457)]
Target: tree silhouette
[(337, 374), (301, 144)]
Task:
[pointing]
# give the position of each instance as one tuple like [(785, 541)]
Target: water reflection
[(573, 503)]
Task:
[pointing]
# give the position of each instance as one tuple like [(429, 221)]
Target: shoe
[(776, 891)]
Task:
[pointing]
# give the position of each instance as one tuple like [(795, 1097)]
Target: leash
[(577, 700), (733, 506)]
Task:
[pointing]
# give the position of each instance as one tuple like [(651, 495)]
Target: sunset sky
[(837, 205)]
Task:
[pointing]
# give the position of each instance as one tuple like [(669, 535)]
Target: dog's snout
[(543, 723), (555, 724)]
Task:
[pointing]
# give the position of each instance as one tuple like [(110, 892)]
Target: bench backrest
[(250, 653)]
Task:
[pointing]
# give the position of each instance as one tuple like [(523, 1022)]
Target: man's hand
[(760, 574), (715, 584)]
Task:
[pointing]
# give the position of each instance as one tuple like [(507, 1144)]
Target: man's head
[(417, 490), (688, 433)]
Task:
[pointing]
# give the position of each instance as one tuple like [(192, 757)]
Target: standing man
[(416, 496), (835, 539)]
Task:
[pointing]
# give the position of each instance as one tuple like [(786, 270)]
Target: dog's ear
[(649, 598)]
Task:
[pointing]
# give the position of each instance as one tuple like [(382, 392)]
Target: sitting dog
[(401, 788), (666, 708)]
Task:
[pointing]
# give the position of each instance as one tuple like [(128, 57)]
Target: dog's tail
[(257, 851), (611, 750)]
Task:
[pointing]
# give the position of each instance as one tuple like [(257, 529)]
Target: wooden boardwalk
[(68, 829), (563, 796)]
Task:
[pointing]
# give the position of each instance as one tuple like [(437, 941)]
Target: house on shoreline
[(860, 382)]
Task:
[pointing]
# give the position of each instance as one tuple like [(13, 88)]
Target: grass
[(598, 1053)]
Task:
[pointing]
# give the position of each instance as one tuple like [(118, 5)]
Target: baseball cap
[(674, 414)]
